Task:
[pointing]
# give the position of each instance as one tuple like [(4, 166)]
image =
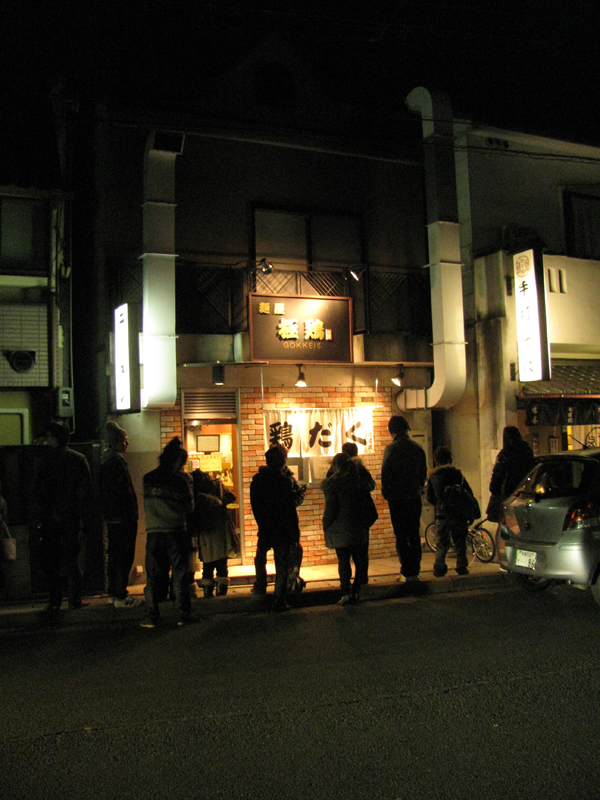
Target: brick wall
[(382, 543)]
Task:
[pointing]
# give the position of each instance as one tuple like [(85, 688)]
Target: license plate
[(526, 558)]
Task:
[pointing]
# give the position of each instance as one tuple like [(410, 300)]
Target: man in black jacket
[(120, 511), (403, 474), (273, 496)]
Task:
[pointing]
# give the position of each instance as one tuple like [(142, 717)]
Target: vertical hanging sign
[(532, 327), (127, 381)]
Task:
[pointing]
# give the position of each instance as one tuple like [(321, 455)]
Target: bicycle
[(479, 539)]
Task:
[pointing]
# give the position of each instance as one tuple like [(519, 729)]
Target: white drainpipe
[(449, 355), (159, 375)]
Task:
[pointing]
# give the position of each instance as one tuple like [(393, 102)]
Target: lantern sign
[(127, 369), (532, 328)]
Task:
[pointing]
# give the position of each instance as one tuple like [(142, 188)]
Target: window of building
[(582, 225), (23, 236), (308, 240)]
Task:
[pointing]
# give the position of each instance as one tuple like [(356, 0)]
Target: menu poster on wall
[(312, 432), (288, 328), (532, 327)]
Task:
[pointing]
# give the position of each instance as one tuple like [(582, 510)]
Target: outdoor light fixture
[(399, 377), (218, 374), (357, 272), (265, 267), (301, 381)]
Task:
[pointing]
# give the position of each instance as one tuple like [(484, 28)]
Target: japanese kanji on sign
[(532, 332), (308, 433), (289, 328)]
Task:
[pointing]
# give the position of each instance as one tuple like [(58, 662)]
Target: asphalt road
[(478, 695)]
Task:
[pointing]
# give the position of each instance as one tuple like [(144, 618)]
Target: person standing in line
[(120, 511), (62, 502), (214, 530), (343, 525), (351, 449), (403, 475), (512, 464), (167, 503), (274, 502), (449, 530)]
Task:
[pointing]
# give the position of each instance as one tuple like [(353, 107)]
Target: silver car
[(550, 527)]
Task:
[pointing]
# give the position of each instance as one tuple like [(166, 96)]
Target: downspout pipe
[(449, 346), (159, 381)]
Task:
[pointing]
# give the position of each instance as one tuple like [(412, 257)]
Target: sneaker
[(127, 602), (148, 623), (462, 571), (259, 592), (344, 600), (412, 579), (439, 573)]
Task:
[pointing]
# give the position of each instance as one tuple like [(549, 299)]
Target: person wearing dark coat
[(351, 449), (120, 511), (214, 530), (168, 501), (512, 464), (445, 474), (274, 500), (403, 475), (343, 527), (62, 495)]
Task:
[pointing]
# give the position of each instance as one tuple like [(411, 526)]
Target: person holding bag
[(346, 521)]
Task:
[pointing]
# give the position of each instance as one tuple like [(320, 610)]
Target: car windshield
[(560, 477)]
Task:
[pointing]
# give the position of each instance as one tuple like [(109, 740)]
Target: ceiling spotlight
[(218, 375), (357, 272), (301, 381), (397, 379), (265, 266)]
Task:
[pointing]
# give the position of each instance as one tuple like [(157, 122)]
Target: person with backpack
[(450, 493)]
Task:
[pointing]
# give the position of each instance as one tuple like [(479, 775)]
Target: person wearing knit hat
[(168, 502), (120, 511)]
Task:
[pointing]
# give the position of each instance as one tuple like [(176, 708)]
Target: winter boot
[(222, 585), (208, 587)]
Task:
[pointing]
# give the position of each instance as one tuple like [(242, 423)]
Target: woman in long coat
[(215, 531), (513, 462), (343, 525)]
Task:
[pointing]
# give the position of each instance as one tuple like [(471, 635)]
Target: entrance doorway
[(213, 448)]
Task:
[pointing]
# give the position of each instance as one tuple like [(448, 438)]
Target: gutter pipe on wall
[(449, 354)]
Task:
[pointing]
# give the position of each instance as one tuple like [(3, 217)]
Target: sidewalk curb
[(97, 612)]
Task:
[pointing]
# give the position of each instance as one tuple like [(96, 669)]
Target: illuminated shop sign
[(127, 371), (308, 329), (532, 328), (307, 433)]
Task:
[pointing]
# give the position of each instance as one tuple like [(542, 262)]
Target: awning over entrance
[(571, 397)]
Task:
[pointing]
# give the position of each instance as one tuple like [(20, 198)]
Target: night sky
[(531, 65)]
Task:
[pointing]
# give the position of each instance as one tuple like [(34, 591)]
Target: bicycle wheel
[(483, 544), (431, 536)]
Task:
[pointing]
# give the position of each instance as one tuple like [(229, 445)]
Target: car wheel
[(532, 583)]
